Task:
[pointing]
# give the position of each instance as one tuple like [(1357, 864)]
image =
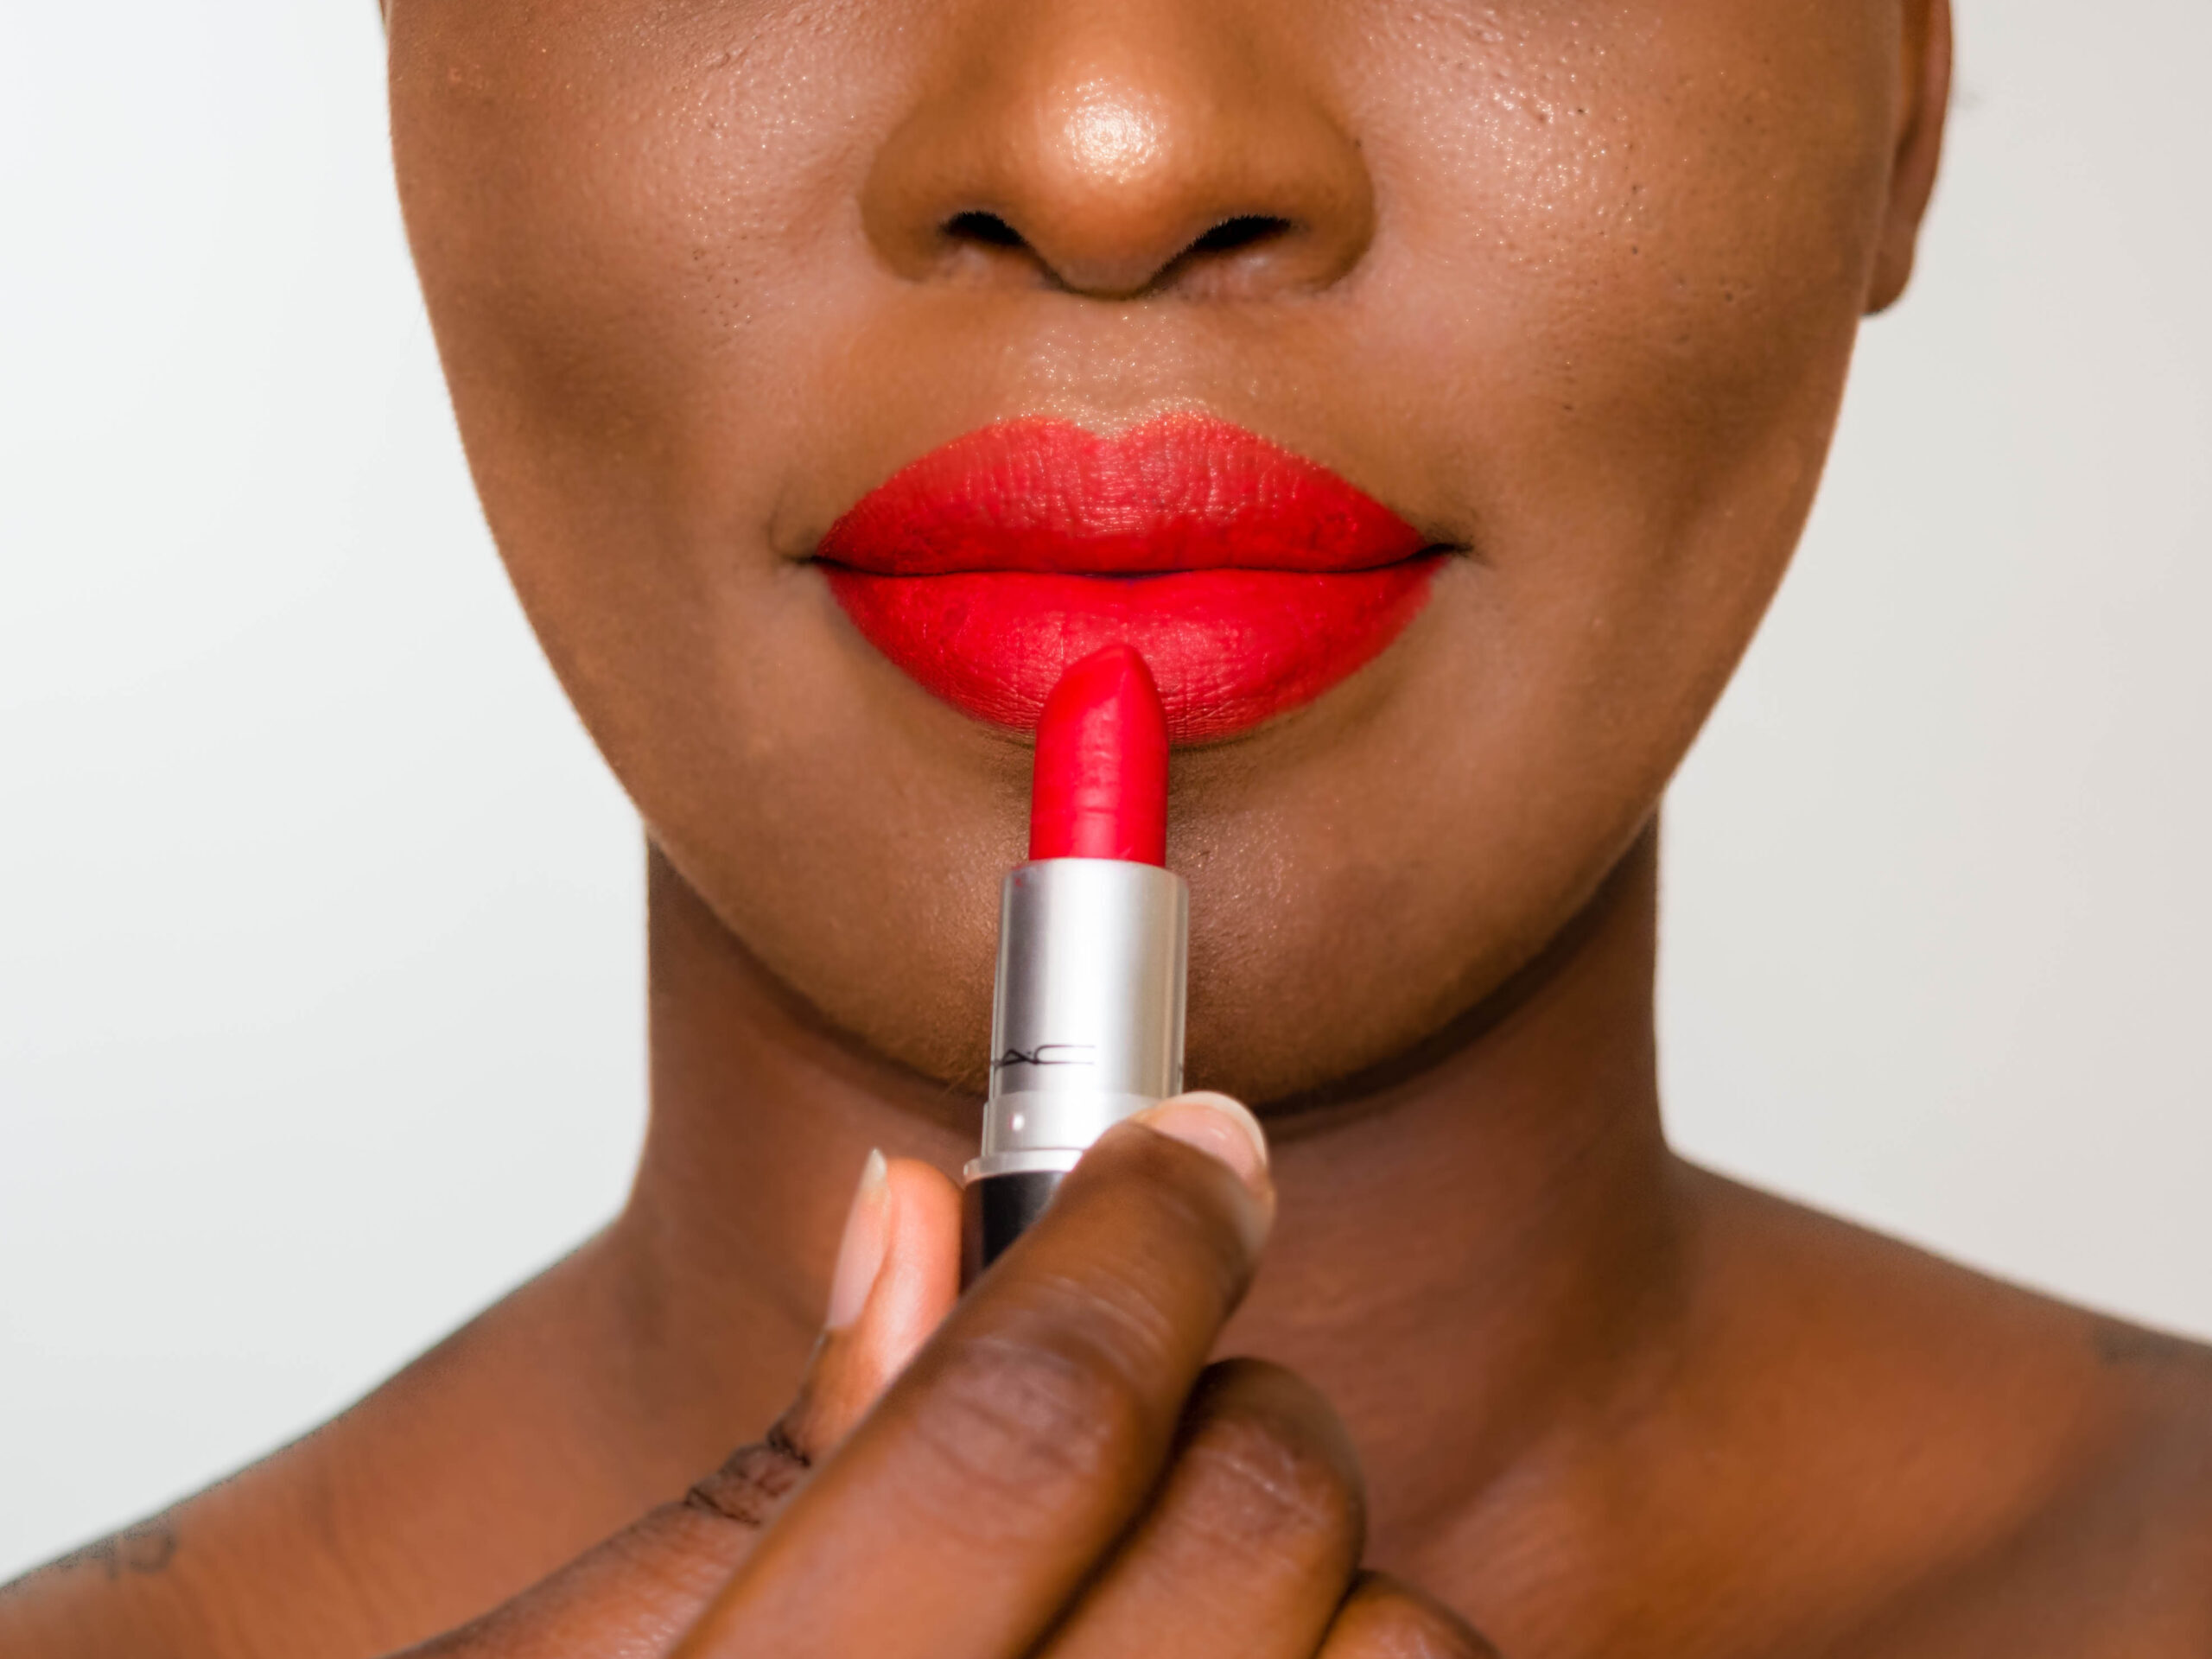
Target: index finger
[(970, 1506)]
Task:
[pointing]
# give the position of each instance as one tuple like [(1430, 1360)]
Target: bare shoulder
[(2024, 1475), (2132, 1535), (2117, 1557)]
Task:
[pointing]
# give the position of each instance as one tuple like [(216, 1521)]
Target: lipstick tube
[(1086, 1018), (1086, 1028)]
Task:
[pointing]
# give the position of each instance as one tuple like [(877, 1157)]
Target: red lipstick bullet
[(1100, 789), (1087, 1022)]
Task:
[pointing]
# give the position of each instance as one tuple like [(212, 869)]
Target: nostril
[(981, 245), (1230, 236), (1233, 235), (988, 230)]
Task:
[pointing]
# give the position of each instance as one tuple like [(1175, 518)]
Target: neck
[(1474, 1258), (1470, 1252)]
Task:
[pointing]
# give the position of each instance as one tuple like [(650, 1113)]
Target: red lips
[(1250, 579)]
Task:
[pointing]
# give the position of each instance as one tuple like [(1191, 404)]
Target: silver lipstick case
[(1086, 1024)]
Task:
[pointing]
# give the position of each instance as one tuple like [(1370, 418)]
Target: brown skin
[(1572, 286)]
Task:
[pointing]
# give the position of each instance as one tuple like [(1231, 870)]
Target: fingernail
[(1217, 1125), (859, 1253)]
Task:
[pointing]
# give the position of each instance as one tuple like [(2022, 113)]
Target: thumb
[(897, 1275)]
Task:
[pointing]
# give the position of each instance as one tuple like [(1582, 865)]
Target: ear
[(1927, 75)]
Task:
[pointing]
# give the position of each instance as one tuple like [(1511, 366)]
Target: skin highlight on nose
[(1111, 137)]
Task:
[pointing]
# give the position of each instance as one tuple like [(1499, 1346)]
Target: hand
[(1048, 1467)]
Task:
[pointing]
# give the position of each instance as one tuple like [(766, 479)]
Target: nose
[(1120, 147)]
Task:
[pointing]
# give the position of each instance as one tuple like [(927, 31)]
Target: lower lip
[(1229, 648)]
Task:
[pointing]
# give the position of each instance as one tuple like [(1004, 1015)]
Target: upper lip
[(1182, 492)]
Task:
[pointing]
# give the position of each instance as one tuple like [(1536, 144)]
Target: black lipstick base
[(995, 1210)]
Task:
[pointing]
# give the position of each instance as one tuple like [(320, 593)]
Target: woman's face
[(1569, 286)]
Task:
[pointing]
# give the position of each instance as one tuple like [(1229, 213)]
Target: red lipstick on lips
[(1250, 579), (1087, 1018)]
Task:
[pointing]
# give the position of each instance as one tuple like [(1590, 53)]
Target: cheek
[(1633, 245), (630, 220), (1649, 225)]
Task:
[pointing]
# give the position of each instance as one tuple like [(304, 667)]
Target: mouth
[(1249, 578)]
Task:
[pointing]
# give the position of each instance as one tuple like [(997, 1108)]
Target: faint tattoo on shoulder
[(2131, 1345), (140, 1551)]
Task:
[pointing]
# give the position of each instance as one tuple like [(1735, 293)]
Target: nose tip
[(1133, 150)]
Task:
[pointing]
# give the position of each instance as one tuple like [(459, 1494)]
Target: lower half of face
[(1563, 304)]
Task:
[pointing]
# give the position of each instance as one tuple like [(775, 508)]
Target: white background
[(320, 955)]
